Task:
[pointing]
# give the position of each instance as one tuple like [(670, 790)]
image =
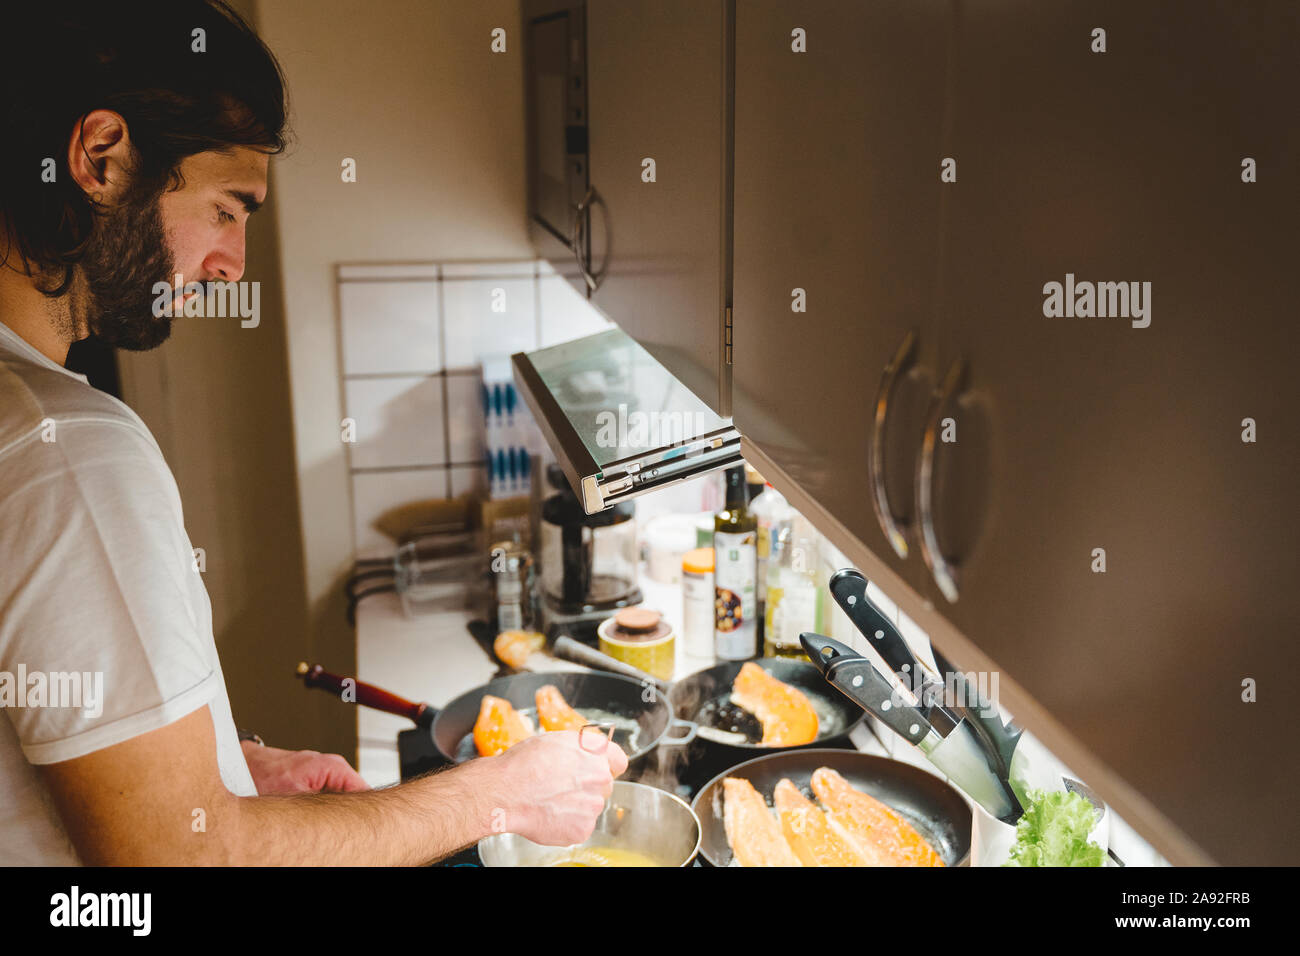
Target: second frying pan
[(929, 804), (640, 724), (704, 699)]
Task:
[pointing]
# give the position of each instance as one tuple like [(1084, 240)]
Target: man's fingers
[(594, 740), (339, 775), (616, 758)]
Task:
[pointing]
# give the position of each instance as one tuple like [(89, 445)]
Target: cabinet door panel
[(1125, 166), (656, 91), (837, 192)]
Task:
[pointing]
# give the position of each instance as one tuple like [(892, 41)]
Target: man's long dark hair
[(61, 59)]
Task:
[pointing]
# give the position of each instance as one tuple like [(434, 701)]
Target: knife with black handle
[(857, 678), (849, 588), (956, 749)]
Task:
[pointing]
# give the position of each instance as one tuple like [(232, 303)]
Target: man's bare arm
[(158, 799)]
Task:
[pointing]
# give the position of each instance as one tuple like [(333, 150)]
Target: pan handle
[(368, 695), (690, 727), (566, 648)]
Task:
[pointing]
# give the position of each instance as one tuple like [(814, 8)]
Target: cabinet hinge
[(727, 332)]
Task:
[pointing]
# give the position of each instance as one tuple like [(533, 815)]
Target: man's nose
[(225, 263)]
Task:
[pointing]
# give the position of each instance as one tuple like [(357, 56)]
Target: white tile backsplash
[(465, 419), (468, 480), (505, 267), (474, 328), (390, 327), (399, 421), (565, 314), (377, 492), (415, 333), (388, 270), (917, 639)]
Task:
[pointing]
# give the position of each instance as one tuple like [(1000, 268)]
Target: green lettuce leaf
[(1054, 832)]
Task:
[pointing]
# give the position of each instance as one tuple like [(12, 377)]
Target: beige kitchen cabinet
[(1119, 437), (839, 123), (1056, 441)]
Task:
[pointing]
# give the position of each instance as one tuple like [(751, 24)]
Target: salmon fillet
[(554, 712), (787, 717), (871, 824), (810, 834), (752, 831), (499, 726)]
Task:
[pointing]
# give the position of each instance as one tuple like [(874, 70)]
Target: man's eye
[(224, 216)]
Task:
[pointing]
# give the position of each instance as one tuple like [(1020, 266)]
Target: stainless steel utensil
[(637, 817)]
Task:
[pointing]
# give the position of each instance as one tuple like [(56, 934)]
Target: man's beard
[(126, 256)]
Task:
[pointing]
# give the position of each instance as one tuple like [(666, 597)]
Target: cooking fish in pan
[(870, 823), (554, 712), (499, 726), (849, 828), (810, 834), (787, 716), (752, 831)]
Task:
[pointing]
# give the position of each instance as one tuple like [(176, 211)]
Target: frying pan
[(704, 699), (929, 804), (639, 725)]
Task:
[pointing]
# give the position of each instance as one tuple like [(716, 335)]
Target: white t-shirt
[(97, 589)]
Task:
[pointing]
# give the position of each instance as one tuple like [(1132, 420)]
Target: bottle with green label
[(735, 573)]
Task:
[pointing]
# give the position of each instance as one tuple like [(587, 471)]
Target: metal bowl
[(637, 817)]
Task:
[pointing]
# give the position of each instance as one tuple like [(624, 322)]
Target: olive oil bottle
[(735, 573)]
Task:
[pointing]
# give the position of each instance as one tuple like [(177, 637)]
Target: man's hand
[(299, 771), (555, 789)]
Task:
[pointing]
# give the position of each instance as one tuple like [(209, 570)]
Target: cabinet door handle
[(944, 571), (577, 234), (894, 532)]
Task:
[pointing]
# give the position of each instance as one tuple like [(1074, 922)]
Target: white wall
[(434, 120)]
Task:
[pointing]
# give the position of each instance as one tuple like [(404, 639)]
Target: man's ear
[(99, 156)]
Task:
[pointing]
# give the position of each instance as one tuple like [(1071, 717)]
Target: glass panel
[(622, 404)]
